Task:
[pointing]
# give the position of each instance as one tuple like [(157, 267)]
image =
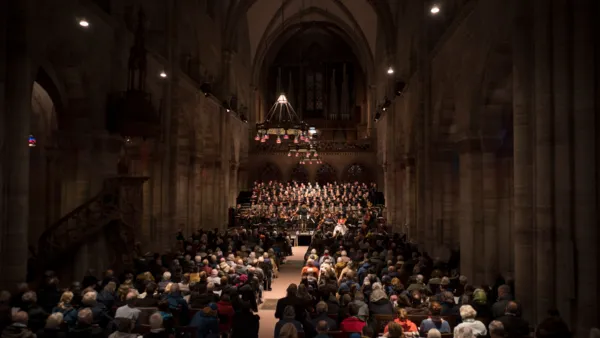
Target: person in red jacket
[(225, 312), (407, 324), (352, 323)]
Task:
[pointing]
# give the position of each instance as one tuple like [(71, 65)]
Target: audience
[(18, 328), (468, 314)]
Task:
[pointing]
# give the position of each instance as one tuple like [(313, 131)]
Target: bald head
[(322, 327), (512, 308), (20, 317)]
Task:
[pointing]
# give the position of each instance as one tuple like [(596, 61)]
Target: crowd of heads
[(211, 281)]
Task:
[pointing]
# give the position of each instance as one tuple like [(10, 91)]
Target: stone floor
[(289, 273)]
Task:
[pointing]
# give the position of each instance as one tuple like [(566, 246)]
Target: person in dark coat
[(293, 300), (18, 329), (53, 329), (66, 309), (37, 315), (322, 315), (206, 322), (289, 316), (245, 323), (514, 325), (157, 330), (504, 296), (553, 327), (379, 303), (84, 327), (49, 295), (5, 310)]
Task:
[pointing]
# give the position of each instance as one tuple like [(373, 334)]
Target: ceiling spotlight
[(390, 70), (228, 110), (84, 23), (163, 74), (435, 9)]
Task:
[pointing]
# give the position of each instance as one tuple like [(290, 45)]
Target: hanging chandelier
[(282, 124), (307, 153)]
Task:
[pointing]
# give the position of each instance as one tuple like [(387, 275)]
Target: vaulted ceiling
[(268, 18)]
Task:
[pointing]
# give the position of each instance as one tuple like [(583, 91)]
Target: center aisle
[(288, 273)]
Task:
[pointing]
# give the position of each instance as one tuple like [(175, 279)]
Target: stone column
[(490, 210), (471, 208), (387, 192), (17, 125), (585, 62), (563, 157), (523, 42), (505, 224), (243, 179), (544, 223), (233, 183), (448, 233), (409, 200)]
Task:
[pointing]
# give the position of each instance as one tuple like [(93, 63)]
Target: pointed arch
[(270, 172), (299, 173), (326, 174), (357, 172)]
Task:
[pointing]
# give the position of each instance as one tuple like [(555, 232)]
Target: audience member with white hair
[(157, 330), (129, 310), (464, 332), (468, 314), (166, 280), (434, 333)]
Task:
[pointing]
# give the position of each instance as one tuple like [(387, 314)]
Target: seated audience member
[(402, 320), (514, 325), (322, 328), (19, 328), (322, 315), (468, 314), (52, 328), (352, 323), (434, 333), (553, 327), (496, 329), (37, 315), (289, 316), (206, 322), (363, 308), (394, 330), (379, 303), (245, 323), (157, 330), (434, 321), (84, 327), (66, 308), (290, 299), (504, 296), (148, 298), (480, 304), (129, 310), (99, 311), (124, 326), (288, 330)]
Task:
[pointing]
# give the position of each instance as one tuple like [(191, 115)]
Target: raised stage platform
[(302, 238)]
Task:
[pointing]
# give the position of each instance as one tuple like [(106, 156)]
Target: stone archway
[(357, 172), (299, 173), (326, 174), (44, 172), (270, 172)]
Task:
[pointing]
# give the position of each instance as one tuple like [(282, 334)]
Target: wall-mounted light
[(435, 9), (386, 104), (390, 70), (32, 142), (206, 89), (377, 116), (84, 23), (163, 74)]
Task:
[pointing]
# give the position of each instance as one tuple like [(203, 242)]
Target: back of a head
[(155, 321), (322, 326), (402, 313), (512, 308), (434, 333), (292, 289), (503, 290), (131, 298), (288, 331), (89, 298), (395, 330), (464, 332), (322, 307), (359, 296), (20, 317), (54, 320), (435, 308), (29, 297), (367, 331), (124, 325), (289, 312), (496, 329), (4, 297), (84, 316), (353, 309), (595, 333)]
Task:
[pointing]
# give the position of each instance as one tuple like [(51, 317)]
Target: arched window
[(326, 174), (356, 173), (299, 174), (270, 172)]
